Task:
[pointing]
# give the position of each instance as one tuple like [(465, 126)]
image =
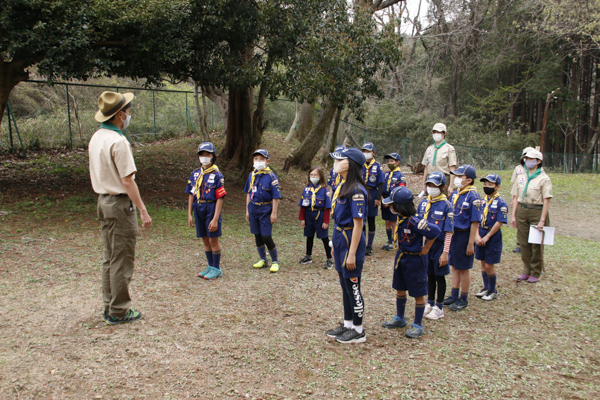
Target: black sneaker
[(517, 249), (306, 260), (388, 247), (131, 316), (369, 250), (328, 264), (335, 332), (449, 300), (459, 305), (351, 336)]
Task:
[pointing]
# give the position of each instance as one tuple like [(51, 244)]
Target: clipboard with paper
[(536, 236)]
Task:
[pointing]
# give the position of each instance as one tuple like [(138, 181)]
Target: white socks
[(348, 324), (358, 328)]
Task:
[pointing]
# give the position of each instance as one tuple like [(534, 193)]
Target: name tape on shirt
[(358, 197)]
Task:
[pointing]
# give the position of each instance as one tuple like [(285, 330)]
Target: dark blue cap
[(437, 178), (395, 156), (368, 146), (465, 169), (351, 153), (206, 146), (494, 178), (400, 194), (339, 148), (262, 152)]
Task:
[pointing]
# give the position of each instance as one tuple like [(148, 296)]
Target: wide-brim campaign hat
[(400, 194), (465, 169), (261, 152), (350, 153), (394, 156), (494, 178), (437, 178), (110, 103), (206, 146), (533, 153)]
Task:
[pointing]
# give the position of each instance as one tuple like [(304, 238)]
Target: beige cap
[(533, 153), (525, 150), (110, 103), (439, 127)]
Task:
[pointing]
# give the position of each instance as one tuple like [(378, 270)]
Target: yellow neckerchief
[(396, 244), (313, 198), (466, 189), (336, 194), (338, 178), (430, 200), (389, 182), (203, 172), (368, 166), (255, 172), (488, 202)]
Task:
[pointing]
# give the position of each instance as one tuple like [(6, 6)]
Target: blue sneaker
[(395, 322), (414, 332), (459, 305), (203, 273), (214, 273)]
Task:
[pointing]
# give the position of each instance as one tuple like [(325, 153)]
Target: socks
[(209, 258), (389, 233), (348, 324), (358, 328), (431, 302), (492, 283), (439, 305), (454, 293), (400, 306), (371, 238), (463, 296), (486, 284), (419, 311), (262, 253), (273, 254), (216, 256)]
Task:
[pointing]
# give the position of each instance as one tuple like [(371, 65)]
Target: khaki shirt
[(446, 158), (519, 169), (539, 188), (110, 160)]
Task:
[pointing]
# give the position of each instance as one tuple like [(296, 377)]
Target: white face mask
[(314, 180), (126, 121), (434, 192), (340, 166), (205, 160), (368, 155), (437, 137), (458, 182), (260, 165)]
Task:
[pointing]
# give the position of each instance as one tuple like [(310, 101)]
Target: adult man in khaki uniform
[(112, 171), (440, 156)]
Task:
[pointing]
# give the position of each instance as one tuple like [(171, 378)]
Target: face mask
[(205, 160), (437, 137), (315, 180), (391, 166), (260, 165), (531, 164), (341, 166), (368, 155), (126, 121), (488, 190), (458, 182), (434, 192)]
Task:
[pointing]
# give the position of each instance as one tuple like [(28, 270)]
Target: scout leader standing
[(373, 177), (440, 156), (206, 189), (262, 200), (391, 180), (531, 191), (519, 169), (112, 171)]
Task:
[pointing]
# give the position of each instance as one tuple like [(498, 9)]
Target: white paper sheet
[(535, 236)]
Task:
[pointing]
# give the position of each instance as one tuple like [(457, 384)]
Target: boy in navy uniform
[(410, 271), (373, 177), (206, 191), (467, 215), (488, 242), (335, 178), (262, 199), (392, 179), (437, 210)]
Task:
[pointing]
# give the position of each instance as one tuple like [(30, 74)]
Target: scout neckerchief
[(207, 171), (389, 182), (368, 166), (529, 178), (338, 179), (112, 127), (430, 200), (396, 243), (336, 194), (488, 202), (436, 149), (313, 197), (469, 188), (256, 172)]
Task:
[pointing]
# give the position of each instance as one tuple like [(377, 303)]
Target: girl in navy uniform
[(467, 215), (373, 177), (206, 191), (410, 271), (315, 207), (349, 207), (437, 210), (392, 179), (488, 241), (262, 200), (335, 178)]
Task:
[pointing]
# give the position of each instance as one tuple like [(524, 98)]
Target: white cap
[(439, 127), (533, 153), (526, 150)]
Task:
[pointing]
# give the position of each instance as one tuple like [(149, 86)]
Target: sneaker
[(428, 309), (260, 264), (484, 292), (131, 316), (306, 260), (203, 273), (395, 322), (369, 251), (388, 246), (214, 274), (459, 305), (491, 296), (517, 249), (328, 264), (449, 300), (436, 313), (533, 279), (351, 336), (274, 267), (414, 332), (335, 332), (523, 277)]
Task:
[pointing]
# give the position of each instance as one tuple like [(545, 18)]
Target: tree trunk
[(205, 109), (307, 116), (595, 108), (332, 138), (201, 126), (239, 145), (293, 127), (10, 76), (218, 96), (306, 152)]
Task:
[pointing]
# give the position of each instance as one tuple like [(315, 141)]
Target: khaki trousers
[(531, 254), (118, 220)]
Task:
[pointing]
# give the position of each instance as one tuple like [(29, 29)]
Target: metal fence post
[(212, 122), (364, 136), (500, 160), (404, 150), (154, 114), (16, 129), (187, 125), (69, 117), (10, 131), (472, 156)]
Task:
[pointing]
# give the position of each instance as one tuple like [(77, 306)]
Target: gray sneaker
[(351, 336), (459, 305), (333, 333), (414, 332), (395, 322), (328, 264)]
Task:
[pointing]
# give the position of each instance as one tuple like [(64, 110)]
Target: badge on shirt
[(254, 189), (439, 213), (465, 203), (211, 178), (305, 203), (372, 178)]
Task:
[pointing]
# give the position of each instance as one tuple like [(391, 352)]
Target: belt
[(485, 227), (206, 201), (462, 230), (261, 203), (345, 228), (533, 206), (409, 253)]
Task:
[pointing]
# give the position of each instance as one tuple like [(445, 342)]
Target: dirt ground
[(256, 335)]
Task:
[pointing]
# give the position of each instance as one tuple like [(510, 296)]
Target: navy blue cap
[(206, 146), (465, 169), (494, 178), (437, 178), (339, 148), (262, 152), (368, 146), (395, 156), (351, 153), (400, 194)]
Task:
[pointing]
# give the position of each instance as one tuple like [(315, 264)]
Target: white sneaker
[(483, 292), (435, 313), (428, 309), (491, 296)]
